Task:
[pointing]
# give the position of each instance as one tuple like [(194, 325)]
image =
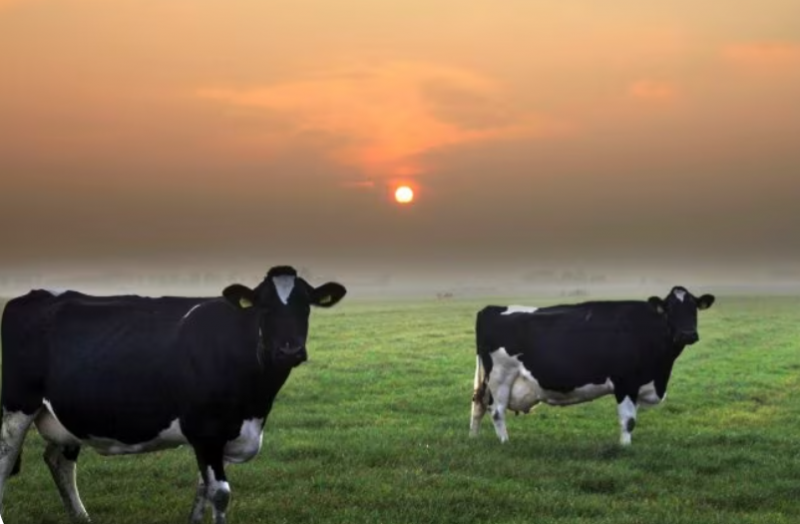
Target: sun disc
[(404, 195)]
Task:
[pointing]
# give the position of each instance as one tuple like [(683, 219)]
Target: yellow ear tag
[(245, 303), (326, 299)]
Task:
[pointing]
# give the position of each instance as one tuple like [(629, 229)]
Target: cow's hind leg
[(217, 490), (62, 461), (499, 381), (13, 427), (626, 409), (498, 409)]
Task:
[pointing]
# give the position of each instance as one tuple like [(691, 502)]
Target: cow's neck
[(663, 369), (270, 381)]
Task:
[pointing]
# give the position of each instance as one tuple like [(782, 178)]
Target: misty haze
[(658, 144)]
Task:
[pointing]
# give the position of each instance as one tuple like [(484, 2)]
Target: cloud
[(764, 54), (361, 184), (383, 119), (652, 90)]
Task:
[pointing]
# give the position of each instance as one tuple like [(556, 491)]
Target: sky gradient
[(258, 131)]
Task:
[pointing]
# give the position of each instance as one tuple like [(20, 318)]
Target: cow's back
[(77, 348), (568, 346)]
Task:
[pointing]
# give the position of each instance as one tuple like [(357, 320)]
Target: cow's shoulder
[(124, 304), (30, 311), (126, 318)]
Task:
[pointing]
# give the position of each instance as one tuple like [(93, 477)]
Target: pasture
[(374, 429)]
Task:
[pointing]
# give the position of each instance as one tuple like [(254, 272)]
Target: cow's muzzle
[(687, 337), (293, 354)]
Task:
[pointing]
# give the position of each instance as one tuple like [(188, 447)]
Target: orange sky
[(143, 129)]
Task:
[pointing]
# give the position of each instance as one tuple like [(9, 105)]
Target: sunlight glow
[(404, 195)]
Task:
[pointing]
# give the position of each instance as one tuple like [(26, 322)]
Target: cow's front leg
[(626, 409), (212, 471), (200, 501)]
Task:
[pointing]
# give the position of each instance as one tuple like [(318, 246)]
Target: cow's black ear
[(705, 302), (658, 304), (328, 294), (240, 296)]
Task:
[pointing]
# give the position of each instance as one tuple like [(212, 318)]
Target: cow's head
[(680, 309), (283, 302)]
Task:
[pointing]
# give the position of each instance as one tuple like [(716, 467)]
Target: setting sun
[(404, 195)]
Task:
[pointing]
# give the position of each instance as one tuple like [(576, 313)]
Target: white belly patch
[(648, 395), (241, 449), (525, 390), (580, 394), (52, 430), (247, 444)]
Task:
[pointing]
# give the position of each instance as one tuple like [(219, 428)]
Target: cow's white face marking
[(284, 284), (648, 396), (191, 311), (54, 431), (679, 294), (247, 444), (56, 292), (510, 310)]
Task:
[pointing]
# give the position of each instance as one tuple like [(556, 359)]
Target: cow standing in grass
[(131, 374), (569, 354)]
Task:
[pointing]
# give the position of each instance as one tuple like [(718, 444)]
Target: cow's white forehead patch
[(680, 294), (284, 284)]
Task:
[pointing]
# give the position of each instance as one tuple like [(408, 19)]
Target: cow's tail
[(478, 397), (17, 466), (479, 384)]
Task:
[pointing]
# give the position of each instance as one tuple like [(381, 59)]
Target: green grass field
[(374, 429)]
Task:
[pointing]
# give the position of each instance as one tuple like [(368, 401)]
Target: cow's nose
[(293, 348), (296, 355), (688, 337)]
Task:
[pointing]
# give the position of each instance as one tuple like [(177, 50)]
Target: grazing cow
[(569, 354), (131, 374)]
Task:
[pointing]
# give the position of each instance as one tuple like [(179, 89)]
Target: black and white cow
[(130, 374), (569, 354)]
